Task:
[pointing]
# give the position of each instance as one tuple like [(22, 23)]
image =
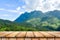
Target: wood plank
[(50, 38), (37, 34), (30, 34), (20, 39), (4, 38), (27, 38), (12, 39), (4, 34), (13, 34), (57, 38), (55, 34), (35, 38), (0, 38), (21, 34), (43, 38), (47, 34)]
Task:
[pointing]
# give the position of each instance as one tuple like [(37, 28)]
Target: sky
[(11, 9)]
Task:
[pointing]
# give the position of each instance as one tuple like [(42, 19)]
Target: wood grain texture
[(56, 34), (13, 34), (30, 34), (38, 34), (4, 34), (21, 34), (27, 38), (47, 34), (50, 38)]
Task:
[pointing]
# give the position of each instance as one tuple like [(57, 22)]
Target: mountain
[(55, 13), (41, 21), (33, 21), (37, 14), (6, 25), (26, 16)]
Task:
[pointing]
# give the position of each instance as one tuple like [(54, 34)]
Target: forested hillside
[(33, 21), (6, 25)]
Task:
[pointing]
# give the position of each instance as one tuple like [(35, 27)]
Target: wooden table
[(30, 35)]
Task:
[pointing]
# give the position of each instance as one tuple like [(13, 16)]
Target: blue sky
[(11, 9)]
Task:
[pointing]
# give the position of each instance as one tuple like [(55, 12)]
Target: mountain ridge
[(37, 14), (33, 21)]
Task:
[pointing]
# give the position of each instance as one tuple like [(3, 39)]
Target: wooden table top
[(30, 34)]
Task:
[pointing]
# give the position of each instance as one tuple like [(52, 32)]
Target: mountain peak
[(37, 14), (29, 15)]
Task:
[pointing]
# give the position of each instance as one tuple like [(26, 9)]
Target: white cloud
[(43, 5), (11, 11), (18, 8), (5, 15), (2, 9)]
